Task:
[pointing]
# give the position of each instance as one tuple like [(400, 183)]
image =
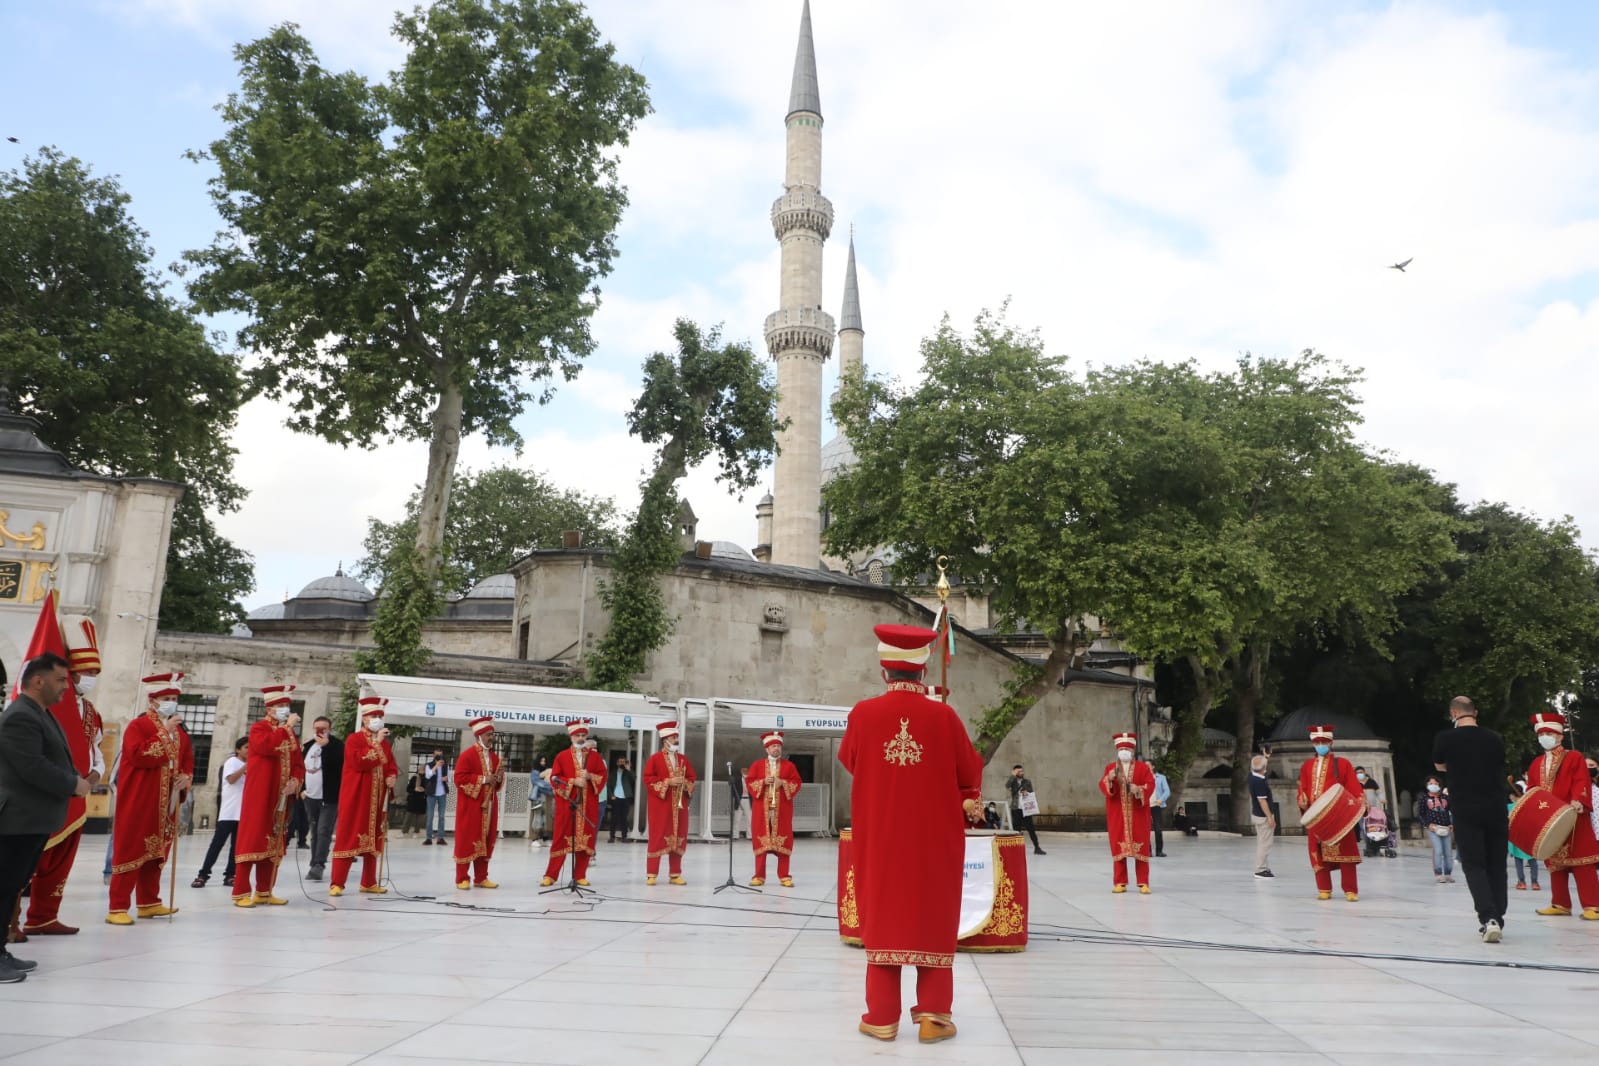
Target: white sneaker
[(1492, 931)]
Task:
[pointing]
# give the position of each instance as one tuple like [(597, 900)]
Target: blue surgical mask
[(1434, 788), (1322, 749)]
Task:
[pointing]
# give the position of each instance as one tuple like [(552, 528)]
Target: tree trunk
[(996, 726), (444, 448), (1188, 738), (1248, 691)]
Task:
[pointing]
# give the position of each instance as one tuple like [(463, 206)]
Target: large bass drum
[(1541, 822), (1333, 815)]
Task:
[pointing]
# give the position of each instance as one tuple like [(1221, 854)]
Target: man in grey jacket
[(36, 780)]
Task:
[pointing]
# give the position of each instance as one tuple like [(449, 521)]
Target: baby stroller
[(1379, 841)]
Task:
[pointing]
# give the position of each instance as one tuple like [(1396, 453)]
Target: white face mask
[(1548, 741), (1434, 788), (374, 724), (671, 745), (86, 684), (1124, 755), (1360, 777), (167, 707), (280, 714)]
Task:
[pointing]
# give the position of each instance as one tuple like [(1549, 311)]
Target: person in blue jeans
[(436, 782), (1438, 824)]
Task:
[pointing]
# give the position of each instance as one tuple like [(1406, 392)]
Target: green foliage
[(708, 399), (123, 380), (496, 517), (996, 722)]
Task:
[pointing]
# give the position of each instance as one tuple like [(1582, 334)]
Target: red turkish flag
[(47, 637)]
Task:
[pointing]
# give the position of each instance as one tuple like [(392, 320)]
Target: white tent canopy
[(441, 704)]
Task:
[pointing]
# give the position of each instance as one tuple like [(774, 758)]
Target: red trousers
[(1559, 886), (1348, 879), (1118, 871), (369, 871), (480, 870), (50, 881), (935, 993), (674, 864), (580, 866), (146, 879), (266, 875), (782, 864)]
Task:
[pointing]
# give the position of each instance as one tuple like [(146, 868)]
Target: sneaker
[(1264, 873), (428, 841), (1448, 879), (9, 974), (1038, 851), (1492, 931), (10, 961), (1521, 886), (198, 882), (314, 874), (1438, 878)]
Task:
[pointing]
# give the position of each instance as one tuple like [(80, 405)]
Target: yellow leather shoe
[(267, 897), (1353, 897), (243, 901), (1118, 888), (676, 879), (582, 882), (880, 1032), (463, 884), (787, 882), (1591, 913), (119, 918), (933, 1027), (1143, 890), (1553, 909), (379, 890), (757, 882), (475, 884), (335, 890), (156, 910), (649, 879), (546, 882), (1324, 895)]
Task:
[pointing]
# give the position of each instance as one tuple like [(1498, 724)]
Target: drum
[(1333, 815), (849, 915), (994, 899), (1541, 822)]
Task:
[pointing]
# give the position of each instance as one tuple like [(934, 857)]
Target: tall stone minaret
[(851, 333), (800, 336)]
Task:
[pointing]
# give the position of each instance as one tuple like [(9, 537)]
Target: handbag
[(1029, 804), (1441, 830)]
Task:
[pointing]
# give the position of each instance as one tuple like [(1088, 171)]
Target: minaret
[(800, 336), (851, 334)]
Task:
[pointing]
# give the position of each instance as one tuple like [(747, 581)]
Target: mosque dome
[(336, 587), (726, 549), (493, 587), (1296, 725), (838, 455), (268, 613)]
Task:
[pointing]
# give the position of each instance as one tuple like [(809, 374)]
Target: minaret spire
[(851, 316), (805, 94)]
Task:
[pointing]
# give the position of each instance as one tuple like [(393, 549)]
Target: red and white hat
[(372, 707), (666, 729), (1321, 732), (1548, 722), (83, 651), (903, 647), (163, 686), (277, 695), (576, 726), (482, 725), (774, 737), (1126, 740)]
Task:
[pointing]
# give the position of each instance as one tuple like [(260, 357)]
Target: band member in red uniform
[(1326, 770), (914, 771), (274, 771), (577, 775), (156, 769), (81, 724), (772, 784), (668, 782), (478, 777), (1565, 773), (1127, 785), (365, 785)]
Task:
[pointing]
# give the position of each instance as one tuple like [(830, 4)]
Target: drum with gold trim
[(849, 915), (1541, 822), (1005, 928), (1333, 815)]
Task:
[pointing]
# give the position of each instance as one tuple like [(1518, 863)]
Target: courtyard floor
[(670, 975)]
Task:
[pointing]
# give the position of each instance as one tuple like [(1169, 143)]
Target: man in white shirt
[(324, 774), (436, 783), (227, 815)]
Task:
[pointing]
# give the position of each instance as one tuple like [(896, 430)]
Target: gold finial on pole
[(942, 562)]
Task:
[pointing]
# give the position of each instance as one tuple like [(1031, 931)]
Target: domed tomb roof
[(336, 587), (1296, 725), (838, 455), (268, 613), (726, 549), (493, 587)]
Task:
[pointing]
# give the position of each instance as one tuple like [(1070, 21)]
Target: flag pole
[(942, 562)]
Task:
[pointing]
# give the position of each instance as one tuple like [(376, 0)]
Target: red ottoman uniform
[(1127, 784), (914, 769), (274, 771), (477, 808), (1316, 776), (668, 783), (772, 784), (364, 788), (577, 805), (156, 767), (1565, 773)]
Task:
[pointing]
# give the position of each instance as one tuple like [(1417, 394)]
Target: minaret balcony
[(802, 207), (806, 329)]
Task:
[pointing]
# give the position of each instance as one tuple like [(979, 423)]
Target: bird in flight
[(1401, 266), (13, 140)]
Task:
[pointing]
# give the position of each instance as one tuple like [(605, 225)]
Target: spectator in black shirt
[(1474, 759)]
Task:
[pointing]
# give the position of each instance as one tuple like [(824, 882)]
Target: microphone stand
[(579, 810), (735, 788)]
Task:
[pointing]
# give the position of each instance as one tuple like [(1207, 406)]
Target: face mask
[(167, 707), (280, 714), (1360, 777), (671, 745), (374, 724), (86, 685), (1124, 755), (1548, 741), (1434, 788), (1593, 772), (1322, 749)]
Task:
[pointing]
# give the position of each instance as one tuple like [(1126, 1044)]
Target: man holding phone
[(436, 782)]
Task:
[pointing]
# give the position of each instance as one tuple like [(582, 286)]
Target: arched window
[(874, 572)]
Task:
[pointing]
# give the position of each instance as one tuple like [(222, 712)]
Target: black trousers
[(1482, 846), (19, 854), (323, 817), (620, 812), (225, 831), (1154, 825), (1020, 822)]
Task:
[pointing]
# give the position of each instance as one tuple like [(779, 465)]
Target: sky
[(1170, 181)]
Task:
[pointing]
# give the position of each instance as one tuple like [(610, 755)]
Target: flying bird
[(1401, 266), (13, 140)]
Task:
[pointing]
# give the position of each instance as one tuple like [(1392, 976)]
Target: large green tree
[(496, 517), (419, 257), (123, 380), (709, 399)]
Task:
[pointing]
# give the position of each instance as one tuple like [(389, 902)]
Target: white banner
[(977, 884), (450, 714), (805, 721)]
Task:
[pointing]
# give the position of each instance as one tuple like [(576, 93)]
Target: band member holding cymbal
[(1320, 773)]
